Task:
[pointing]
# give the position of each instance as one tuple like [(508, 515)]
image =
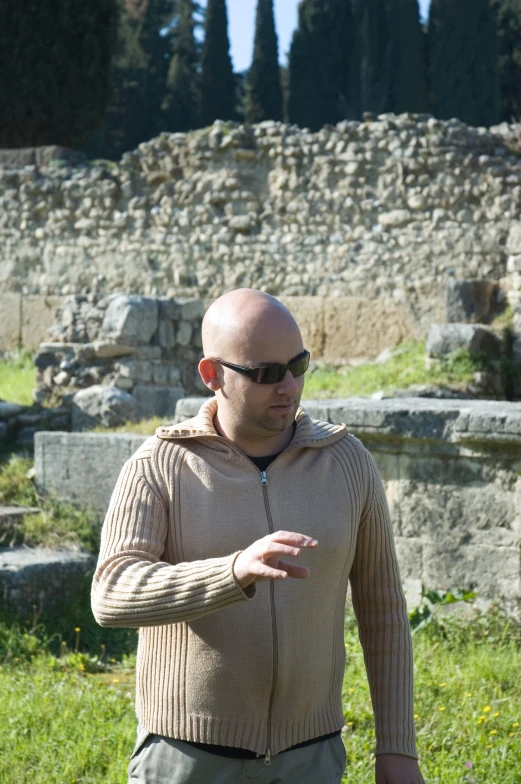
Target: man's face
[(263, 410)]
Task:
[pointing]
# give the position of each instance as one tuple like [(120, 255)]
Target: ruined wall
[(392, 208)]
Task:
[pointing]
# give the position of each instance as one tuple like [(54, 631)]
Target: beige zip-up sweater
[(260, 669)]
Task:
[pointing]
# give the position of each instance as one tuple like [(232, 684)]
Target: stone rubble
[(120, 358)]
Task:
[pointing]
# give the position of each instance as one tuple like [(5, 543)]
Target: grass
[(406, 366), (58, 523), (17, 377), (68, 717)]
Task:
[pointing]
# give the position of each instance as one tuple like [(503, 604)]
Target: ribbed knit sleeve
[(381, 612), (132, 586)]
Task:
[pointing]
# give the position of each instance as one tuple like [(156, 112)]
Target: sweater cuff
[(250, 589)]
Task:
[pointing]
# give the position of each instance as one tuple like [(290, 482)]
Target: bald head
[(248, 326)]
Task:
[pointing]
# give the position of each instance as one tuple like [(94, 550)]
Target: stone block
[(10, 321), (82, 468), (188, 407), (309, 315), (513, 243), (131, 320), (41, 579), (490, 571), (166, 333), (472, 301), (109, 350), (360, 327), (184, 333), (102, 405), (445, 339), (191, 309), (156, 401), (9, 410), (38, 315)]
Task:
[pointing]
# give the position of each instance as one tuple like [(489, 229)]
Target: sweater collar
[(309, 432)]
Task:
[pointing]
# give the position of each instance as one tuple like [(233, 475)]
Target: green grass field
[(68, 718)]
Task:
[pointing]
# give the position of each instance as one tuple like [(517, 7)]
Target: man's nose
[(288, 385)]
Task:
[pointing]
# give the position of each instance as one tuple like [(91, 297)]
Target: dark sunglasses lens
[(299, 367), (271, 374)]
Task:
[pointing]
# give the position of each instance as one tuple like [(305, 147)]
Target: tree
[(218, 84), (409, 90), (139, 73), (55, 60), (320, 63), (371, 82), (181, 104), (508, 13), (264, 92), (464, 61)]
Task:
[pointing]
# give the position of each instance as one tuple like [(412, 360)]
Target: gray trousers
[(160, 760)]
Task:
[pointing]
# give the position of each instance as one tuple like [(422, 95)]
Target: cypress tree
[(139, 79), (320, 63), (181, 104), (508, 14), (409, 85), (264, 91), (464, 54), (371, 82), (218, 85), (55, 61)]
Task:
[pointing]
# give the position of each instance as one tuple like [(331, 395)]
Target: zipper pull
[(267, 758), (264, 478)]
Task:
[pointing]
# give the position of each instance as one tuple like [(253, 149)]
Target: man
[(241, 654)]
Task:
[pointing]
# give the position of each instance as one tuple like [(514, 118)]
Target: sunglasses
[(272, 374)]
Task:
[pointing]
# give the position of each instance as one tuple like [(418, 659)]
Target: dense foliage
[(464, 61), (217, 93), (264, 90), (55, 59), (108, 79)]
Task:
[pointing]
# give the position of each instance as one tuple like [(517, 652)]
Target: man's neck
[(259, 447)]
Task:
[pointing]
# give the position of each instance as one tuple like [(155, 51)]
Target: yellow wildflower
[(442, 707), (486, 709), (77, 629)]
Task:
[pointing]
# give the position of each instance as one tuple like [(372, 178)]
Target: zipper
[(267, 757)]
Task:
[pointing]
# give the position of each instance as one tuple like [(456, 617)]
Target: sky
[(241, 23)]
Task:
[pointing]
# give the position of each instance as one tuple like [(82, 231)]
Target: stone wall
[(451, 471), (392, 208)]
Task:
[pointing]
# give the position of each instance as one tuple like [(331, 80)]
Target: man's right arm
[(132, 586)]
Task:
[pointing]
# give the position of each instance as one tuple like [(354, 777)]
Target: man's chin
[(280, 418)]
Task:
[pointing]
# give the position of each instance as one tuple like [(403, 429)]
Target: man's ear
[(209, 370)]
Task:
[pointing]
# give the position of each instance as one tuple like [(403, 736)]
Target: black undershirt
[(262, 464)]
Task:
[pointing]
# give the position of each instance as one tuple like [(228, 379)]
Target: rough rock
[(41, 580), (131, 320), (102, 405), (445, 339)]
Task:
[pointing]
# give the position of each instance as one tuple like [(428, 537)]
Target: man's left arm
[(383, 624)]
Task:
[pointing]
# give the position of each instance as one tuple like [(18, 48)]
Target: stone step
[(14, 513), (41, 579)]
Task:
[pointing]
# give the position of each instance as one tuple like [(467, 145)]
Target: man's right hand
[(261, 561)]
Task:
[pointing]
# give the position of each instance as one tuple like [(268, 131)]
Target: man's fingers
[(292, 538), (295, 570)]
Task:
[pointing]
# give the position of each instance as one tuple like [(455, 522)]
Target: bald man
[(229, 542)]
